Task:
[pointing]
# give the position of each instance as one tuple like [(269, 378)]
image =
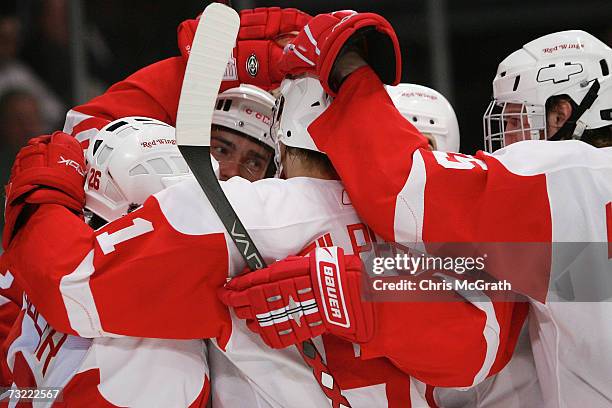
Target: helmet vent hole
[(605, 70), (516, 83), (160, 166), (104, 153), (219, 104), (116, 126), (138, 170), (180, 163), (502, 74), (97, 144), (317, 103), (288, 133), (227, 105), (113, 193), (414, 119), (431, 121)]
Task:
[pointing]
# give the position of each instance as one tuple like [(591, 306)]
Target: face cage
[(505, 123), (275, 132)]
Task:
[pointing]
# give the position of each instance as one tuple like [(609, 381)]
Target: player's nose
[(228, 169)]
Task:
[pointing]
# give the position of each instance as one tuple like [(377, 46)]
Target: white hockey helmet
[(128, 160), (301, 101), (246, 109), (430, 112), (572, 63)]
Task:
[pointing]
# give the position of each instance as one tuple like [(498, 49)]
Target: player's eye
[(254, 165), (513, 123), (220, 152)]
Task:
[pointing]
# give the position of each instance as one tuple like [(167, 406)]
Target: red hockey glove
[(299, 298), (261, 38), (270, 23), (48, 170), (319, 44)]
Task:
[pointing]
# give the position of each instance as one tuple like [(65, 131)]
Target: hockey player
[(127, 161), (240, 135), (411, 194), (562, 101)]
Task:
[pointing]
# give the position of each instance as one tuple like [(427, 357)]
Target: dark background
[(122, 36)]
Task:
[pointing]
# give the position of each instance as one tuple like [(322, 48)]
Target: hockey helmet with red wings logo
[(128, 160), (572, 63)]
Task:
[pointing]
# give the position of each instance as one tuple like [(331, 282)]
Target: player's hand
[(48, 170), (330, 36), (262, 36), (299, 298)]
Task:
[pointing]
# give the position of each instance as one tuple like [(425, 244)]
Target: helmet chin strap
[(573, 125)]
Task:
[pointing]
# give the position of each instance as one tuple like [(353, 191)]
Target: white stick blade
[(211, 49)]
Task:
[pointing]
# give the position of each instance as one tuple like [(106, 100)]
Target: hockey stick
[(211, 49), (212, 45)]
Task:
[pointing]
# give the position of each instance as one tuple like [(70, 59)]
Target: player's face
[(239, 155), (516, 124)]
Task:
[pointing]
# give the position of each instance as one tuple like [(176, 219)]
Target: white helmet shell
[(562, 63), (128, 160), (246, 109), (430, 112), (301, 101)]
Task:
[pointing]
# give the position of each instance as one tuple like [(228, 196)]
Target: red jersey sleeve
[(403, 192), (409, 194), (389, 173), (136, 276), (447, 344), (152, 91)]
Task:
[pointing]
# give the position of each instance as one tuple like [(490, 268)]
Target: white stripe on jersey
[(79, 300), (73, 118)]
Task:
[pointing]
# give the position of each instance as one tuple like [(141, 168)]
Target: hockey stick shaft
[(211, 48), (212, 45)]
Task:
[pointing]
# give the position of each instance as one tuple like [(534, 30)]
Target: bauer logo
[(330, 287), (252, 65)]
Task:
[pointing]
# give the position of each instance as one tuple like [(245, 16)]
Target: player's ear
[(559, 113)]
